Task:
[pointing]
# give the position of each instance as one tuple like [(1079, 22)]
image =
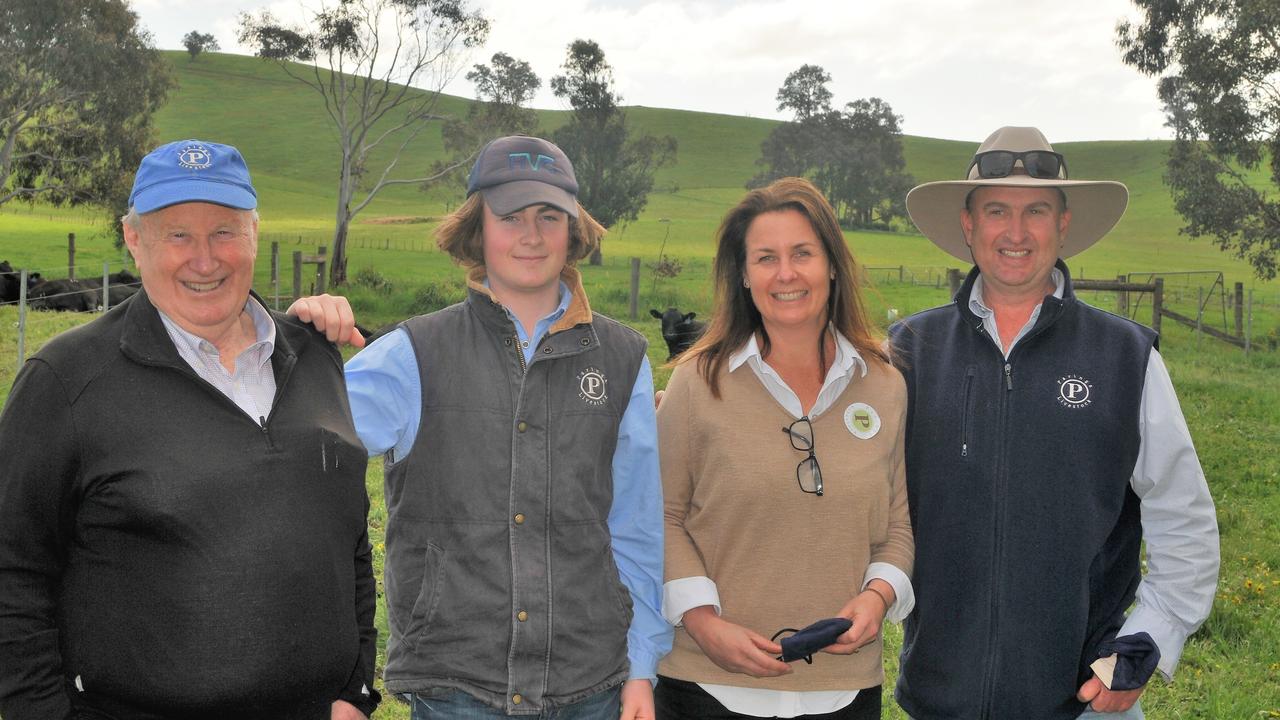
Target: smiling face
[(1015, 234), (525, 251), (788, 271), (196, 261)]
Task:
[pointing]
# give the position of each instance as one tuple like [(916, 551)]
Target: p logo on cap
[(192, 171), (195, 157)]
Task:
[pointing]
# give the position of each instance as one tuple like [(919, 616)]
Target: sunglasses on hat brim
[(1043, 164)]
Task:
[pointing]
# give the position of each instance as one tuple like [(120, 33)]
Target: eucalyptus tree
[(379, 66)]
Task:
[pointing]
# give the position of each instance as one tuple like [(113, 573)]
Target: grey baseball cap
[(517, 171)]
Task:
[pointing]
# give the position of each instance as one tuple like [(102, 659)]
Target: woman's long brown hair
[(736, 317)]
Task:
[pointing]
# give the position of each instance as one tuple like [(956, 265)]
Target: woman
[(781, 438)]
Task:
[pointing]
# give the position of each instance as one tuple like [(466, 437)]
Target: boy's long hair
[(461, 233), (736, 317)]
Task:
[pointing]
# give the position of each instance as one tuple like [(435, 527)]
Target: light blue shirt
[(384, 387), (252, 387)]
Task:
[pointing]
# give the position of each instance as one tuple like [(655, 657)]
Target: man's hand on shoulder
[(331, 315), (343, 710), (1102, 700)]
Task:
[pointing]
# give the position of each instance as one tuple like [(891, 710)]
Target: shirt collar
[(264, 329), (978, 306), (550, 318), (846, 359)]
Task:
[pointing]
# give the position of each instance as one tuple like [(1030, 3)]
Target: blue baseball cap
[(192, 171), (517, 171)]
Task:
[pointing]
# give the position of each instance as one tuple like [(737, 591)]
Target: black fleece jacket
[(164, 555), (1027, 530)]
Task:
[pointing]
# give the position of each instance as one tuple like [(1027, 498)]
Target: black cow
[(11, 282), (680, 330), (123, 285), (66, 295)]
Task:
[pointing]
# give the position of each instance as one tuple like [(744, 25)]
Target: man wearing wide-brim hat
[(1044, 445)]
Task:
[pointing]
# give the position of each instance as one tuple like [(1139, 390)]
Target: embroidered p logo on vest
[(1074, 392), (592, 386)]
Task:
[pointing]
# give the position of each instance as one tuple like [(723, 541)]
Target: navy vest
[(1027, 530)]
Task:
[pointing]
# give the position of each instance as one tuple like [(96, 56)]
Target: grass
[(1230, 668)]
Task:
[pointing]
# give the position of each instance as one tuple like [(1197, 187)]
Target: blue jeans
[(1133, 713), (458, 705)]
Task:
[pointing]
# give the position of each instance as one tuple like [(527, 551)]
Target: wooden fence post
[(297, 274), (275, 271), (1157, 305), (1122, 297), (1239, 309), (635, 287), (321, 266), (953, 280), (1248, 332), (71, 256)]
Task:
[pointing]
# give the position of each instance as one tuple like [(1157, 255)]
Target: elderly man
[(1045, 443), (182, 509)]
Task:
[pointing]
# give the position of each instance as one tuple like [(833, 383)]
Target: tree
[(197, 42), (614, 168), (376, 52), (505, 87), (854, 155), (502, 90), (80, 82), (805, 92), (1218, 63)]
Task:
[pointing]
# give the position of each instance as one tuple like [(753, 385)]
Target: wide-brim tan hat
[(1096, 205)]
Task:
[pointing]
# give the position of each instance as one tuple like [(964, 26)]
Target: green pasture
[(1231, 668)]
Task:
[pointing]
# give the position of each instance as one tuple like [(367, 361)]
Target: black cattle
[(11, 282), (680, 330), (123, 285), (64, 295)]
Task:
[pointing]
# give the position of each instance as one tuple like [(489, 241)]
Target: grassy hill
[(282, 129)]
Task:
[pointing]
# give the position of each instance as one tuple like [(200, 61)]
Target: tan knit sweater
[(780, 557)]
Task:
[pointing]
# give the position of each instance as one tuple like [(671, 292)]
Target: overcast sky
[(956, 69)]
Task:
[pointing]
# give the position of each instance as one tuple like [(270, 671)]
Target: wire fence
[(426, 243), (1198, 299), (41, 302)]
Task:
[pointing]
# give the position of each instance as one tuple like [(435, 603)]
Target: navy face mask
[(1136, 658), (810, 639)]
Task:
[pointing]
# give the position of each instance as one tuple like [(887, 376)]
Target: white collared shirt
[(252, 387), (684, 594), (979, 307)]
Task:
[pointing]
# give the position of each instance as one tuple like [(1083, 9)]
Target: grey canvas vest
[(500, 578)]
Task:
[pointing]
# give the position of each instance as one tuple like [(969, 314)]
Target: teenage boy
[(524, 506)]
